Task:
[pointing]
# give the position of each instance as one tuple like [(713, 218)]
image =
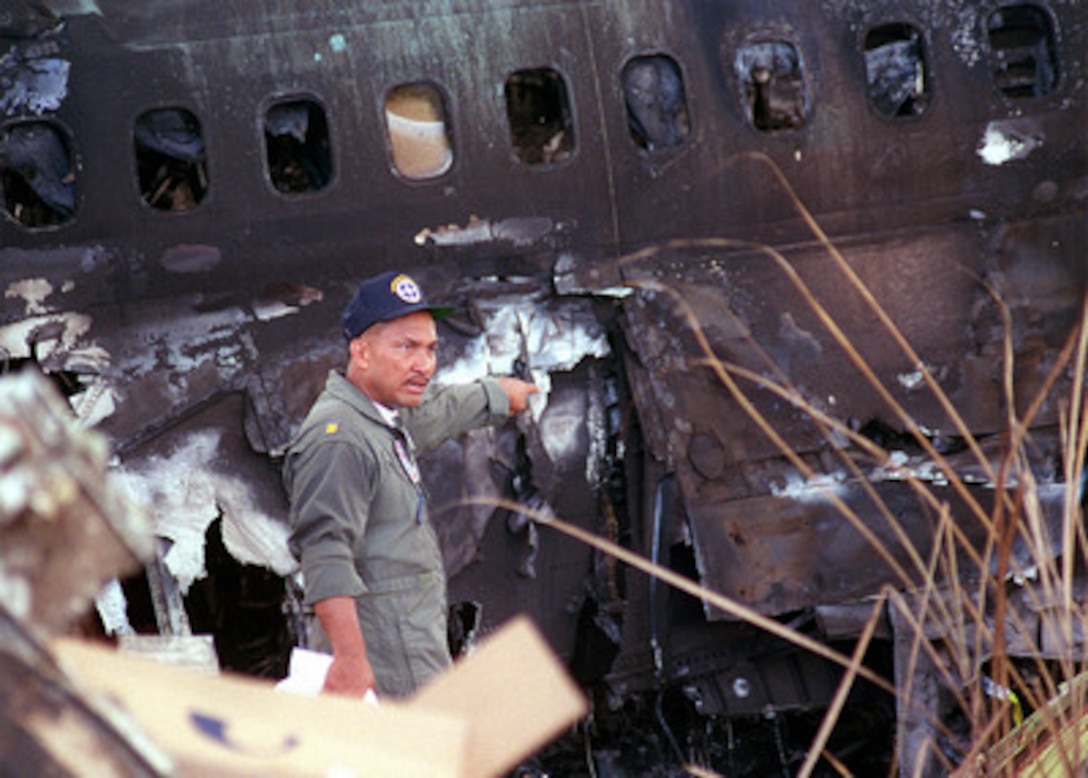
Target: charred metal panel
[(225, 72), (763, 532), (201, 470), (762, 674), (500, 558), (855, 168), (797, 550)]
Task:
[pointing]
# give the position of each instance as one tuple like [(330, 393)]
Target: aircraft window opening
[(895, 70), (537, 108), (419, 138), (657, 110), (1025, 61), (37, 174), (170, 160), (774, 86), (297, 147)]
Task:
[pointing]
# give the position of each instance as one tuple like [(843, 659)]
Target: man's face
[(393, 361)]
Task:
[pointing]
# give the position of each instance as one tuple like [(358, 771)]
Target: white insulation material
[(542, 339), (1006, 141), (186, 492)]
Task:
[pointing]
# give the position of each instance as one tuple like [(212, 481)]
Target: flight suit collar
[(341, 388), (345, 390)]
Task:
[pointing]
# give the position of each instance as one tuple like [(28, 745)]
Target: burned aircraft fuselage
[(192, 189)]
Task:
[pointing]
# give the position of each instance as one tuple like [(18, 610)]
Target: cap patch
[(331, 428), (406, 289)]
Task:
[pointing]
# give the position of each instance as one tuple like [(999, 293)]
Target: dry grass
[(970, 619), (959, 621), (970, 614)]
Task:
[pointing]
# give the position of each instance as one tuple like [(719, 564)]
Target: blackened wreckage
[(191, 190)]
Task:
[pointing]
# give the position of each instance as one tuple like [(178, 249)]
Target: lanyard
[(408, 462)]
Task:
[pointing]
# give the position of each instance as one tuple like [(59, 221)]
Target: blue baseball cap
[(384, 297)]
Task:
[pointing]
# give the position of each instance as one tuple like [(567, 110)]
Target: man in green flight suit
[(371, 565)]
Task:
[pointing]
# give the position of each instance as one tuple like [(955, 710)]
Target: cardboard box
[(480, 718)]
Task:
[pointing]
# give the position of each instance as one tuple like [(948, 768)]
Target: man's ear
[(359, 350)]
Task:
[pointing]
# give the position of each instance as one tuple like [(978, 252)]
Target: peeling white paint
[(54, 338), (88, 359), (964, 37), (618, 292), (34, 87), (94, 404), (545, 339), (912, 380), (183, 342), (519, 230), (896, 459), (185, 493), (899, 468), (560, 425), (112, 607), (297, 298), (1005, 141), (33, 292), (959, 21), (1021, 577), (267, 311), (821, 487), (568, 281), (23, 339)]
